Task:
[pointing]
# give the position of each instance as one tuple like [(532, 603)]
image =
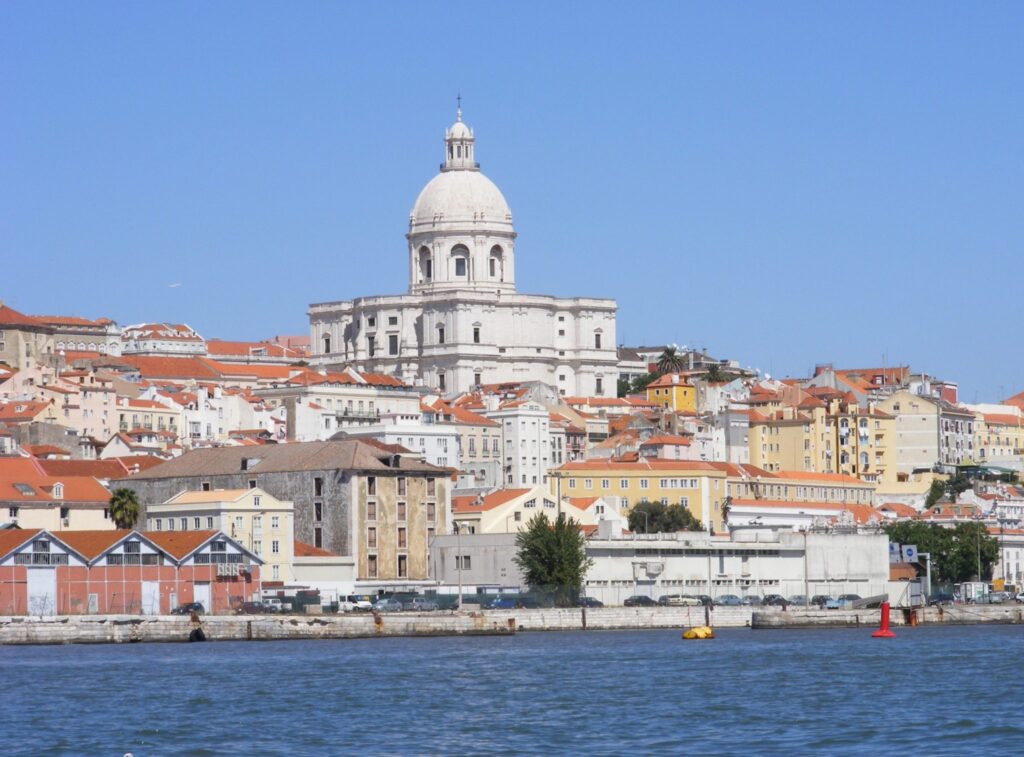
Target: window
[(401, 510), (588, 483), (371, 345), (476, 335), (371, 511), (599, 386), (561, 332), (170, 524), (371, 566), (275, 547), (371, 485), (572, 483), (275, 571), (209, 522), (318, 487), (605, 483), (643, 483), (184, 524), (206, 486), (518, 516), (477, 379), (371, 321), (464, 563), (252, 483), (392, 320), (597, 340), (196, 524), (440, 334), (402, 542), (403, 566), (256, 500), (318, 537), (257, 547), (460, 266), (318, 511), (440, 382), (392, 344), (401, 486), (432, 483), (159, 523)]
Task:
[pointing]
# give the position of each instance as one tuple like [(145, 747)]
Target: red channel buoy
[(883, 631)]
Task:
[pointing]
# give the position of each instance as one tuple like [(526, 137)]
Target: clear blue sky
[(784, 183)]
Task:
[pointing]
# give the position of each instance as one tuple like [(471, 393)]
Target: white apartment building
[(525, 442), (437, 444)]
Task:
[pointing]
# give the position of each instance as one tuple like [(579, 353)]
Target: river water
[(929, 691)]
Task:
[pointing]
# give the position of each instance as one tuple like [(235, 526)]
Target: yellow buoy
[(699, 632)]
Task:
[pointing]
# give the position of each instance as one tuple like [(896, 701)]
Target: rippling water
[(929, 691)]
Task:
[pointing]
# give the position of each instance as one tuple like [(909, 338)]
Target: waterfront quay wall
[(941, 615), (108, 629)]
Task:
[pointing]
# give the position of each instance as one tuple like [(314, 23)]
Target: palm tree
[(670, 361), (124, 508)]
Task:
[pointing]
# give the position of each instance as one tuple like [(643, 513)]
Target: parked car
[(354, 602), (798, 600), (941, 598), (387, 604), (824, 602), (188, 608), (678, 600), (847, 600), (589, 602), (272, 604), (728, 600), (706, 600), (420, 604), (998, 597), (751, 601), (503, 603), (250, 608), (639, 600), (775, 600), (1020, 597)]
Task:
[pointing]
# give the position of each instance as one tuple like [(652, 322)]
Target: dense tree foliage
[(956, 552), (657, 517), (553, 557)]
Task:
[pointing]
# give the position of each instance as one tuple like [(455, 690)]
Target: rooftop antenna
[(458, 106)]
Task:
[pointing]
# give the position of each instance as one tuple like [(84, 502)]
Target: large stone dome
[(458, 196)]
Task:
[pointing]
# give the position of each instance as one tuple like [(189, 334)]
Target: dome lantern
[(458, 147)]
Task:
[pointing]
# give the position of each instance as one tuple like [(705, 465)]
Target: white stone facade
[(462, 322)]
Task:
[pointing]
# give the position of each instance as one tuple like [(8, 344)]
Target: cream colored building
[(929, 432), (829, 436), (702, 487), (255, 519), (509, 510)]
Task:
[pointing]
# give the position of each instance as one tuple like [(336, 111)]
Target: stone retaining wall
[(952, 614)]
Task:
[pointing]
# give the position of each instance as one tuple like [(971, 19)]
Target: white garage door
[(202, 594), (42, 591), (150, 597)]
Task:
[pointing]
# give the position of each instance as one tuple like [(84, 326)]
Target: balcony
[(353, 416)]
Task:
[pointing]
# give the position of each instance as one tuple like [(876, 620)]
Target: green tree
[(935, 493), (670, 361), (124, 508), (956, 552), (658, 518), (956, 485), (553, 557)]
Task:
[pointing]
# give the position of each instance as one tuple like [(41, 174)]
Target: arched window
[(426, 267), (327, 344), (460, 259), (497, 263)]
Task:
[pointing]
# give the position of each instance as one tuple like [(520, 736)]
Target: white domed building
[(462, 322)]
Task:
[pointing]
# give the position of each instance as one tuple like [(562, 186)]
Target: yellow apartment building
[(672, 392)]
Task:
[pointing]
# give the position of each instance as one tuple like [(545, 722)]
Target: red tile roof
[(91, 544), (301, 549), (469, 504), (30, 473), (11, 317), (12, 538), (179, 544)]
